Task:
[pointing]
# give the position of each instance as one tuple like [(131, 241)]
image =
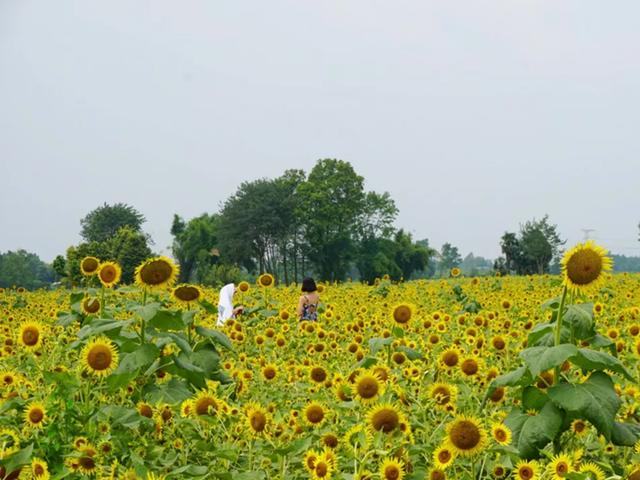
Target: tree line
[(322, 223)]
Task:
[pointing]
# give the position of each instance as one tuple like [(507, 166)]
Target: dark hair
[(309, 285)]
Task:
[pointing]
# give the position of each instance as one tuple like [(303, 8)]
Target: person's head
[(309, 285)]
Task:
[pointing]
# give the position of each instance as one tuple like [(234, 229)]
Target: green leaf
[(101, 325), (166, 320), (593, 360), (398, 332), (172, 392), (533, 399), (217, 336), (139, 358), (127, 417), (411, 353), (376, 344), (65, 318), (19, 458), (209, 307), (625, 434), (579, 318), (541, 359), (184, 362), (367, 362), (179, 339), (533, 432), (594, 400), (541, 335)]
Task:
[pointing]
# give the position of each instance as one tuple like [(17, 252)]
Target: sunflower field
[(461, 378)]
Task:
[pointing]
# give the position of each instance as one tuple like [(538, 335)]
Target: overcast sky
[(475, 115)]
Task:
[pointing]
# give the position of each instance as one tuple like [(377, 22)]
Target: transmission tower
[(587, 233)]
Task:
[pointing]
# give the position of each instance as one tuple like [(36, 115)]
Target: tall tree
[(129, 248), (449, 258), (332, 200), (24, 269), (533, 249), (104, 222), (194, 244)]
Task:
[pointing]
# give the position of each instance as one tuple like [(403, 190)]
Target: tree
[(59, 266), (194, 244), (24, 269), (129, 248), (258, 224), (533, 249), (449, 258), (104, 222), (472, 265), (332, 200)]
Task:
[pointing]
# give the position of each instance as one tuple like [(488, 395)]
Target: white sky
[(475, 116)]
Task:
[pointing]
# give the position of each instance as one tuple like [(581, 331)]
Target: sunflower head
[(266, 280), (100, 357), (35, 415), (257, 419), (402, 313), (187, 294), (385, 418), (90, 305), (109, 274), (157, 272), (89, 266), (584, 266), (31, 335), (392, 469), (368, 386), (466, 436)]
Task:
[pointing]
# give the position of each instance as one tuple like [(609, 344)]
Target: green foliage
[(194, 245), (533, 249), (448, 259), (104, 222), (552, 346), (129, 248), (24, 269)]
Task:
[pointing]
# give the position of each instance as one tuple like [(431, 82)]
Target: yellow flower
[(157, 272), (526, 470), (109, 274), (266, 280), (31, 335), (186, 294), (584, 266), (9, 442), (559, 467), (89, 266), (392, 469), (501, 434), (100, 357), (368, 387), (443, 457), (402, 314), (466, 436), (35, 415)]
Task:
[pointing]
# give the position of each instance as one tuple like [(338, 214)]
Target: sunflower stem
[(102, 302), (558, 332)]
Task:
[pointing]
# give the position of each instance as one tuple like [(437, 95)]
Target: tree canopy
[(23, 269), (104, 222)]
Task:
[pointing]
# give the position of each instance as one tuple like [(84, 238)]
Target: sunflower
[(109, 274), (470, 365), (559, 466), (450, 358), (443, 394), (186, 294), (309, 461), (100, 356), (157, 272), (39, 469), (526, 471), (318, 374), (466, 436), (90, 305), (9, 442), (314, 413), (31, 335), (35, 415), (501, 434), (384, 418), (436, 474), (266, 280), (206, 403), (392, 469), (243, 286), (592, 471), (402, 314), (322, 469), (270, 371), (579, 427), (443, 457), (145, 409), (257, 419), (584, 266), (368, 386), (89, 266), (455, 272)]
